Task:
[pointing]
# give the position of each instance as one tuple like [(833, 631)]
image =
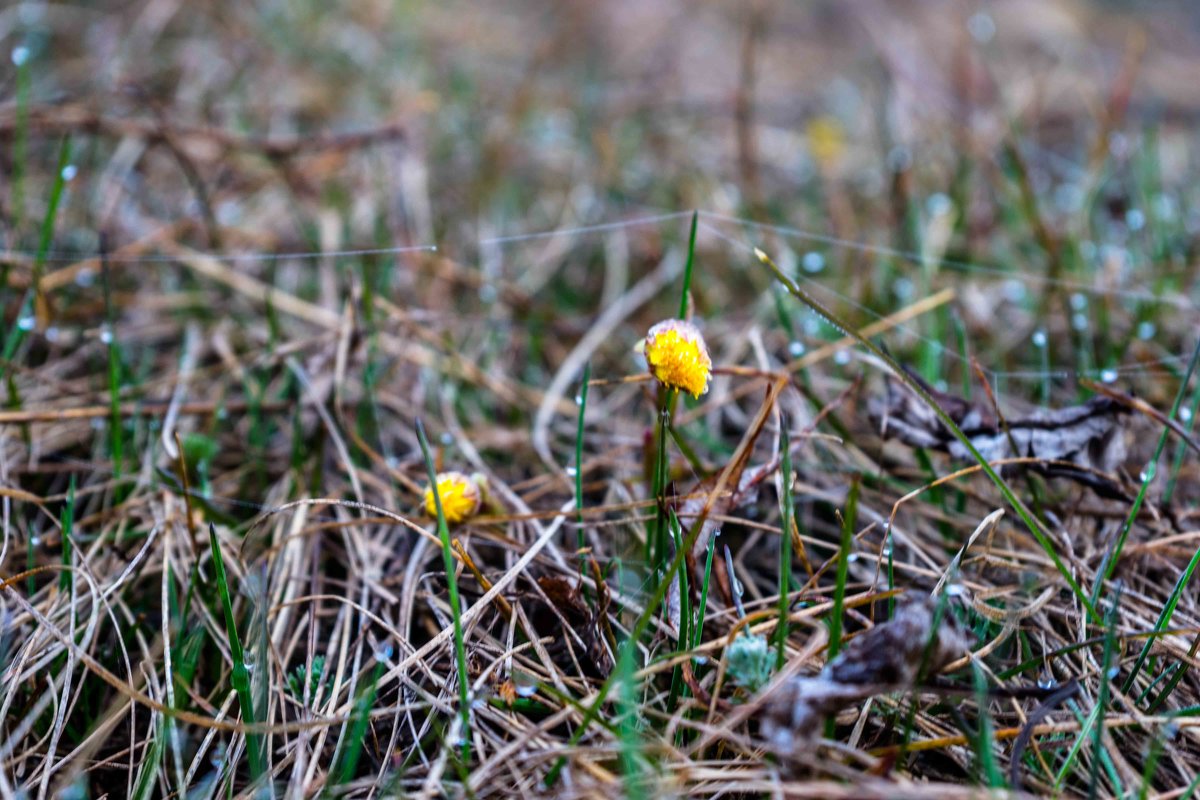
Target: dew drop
[(938, 204), (1135, 219), (35, 541), (572, 471), (1146, 330), (1185, 414), (1147, 474), (1079, 321), (796, 349), (106, 335), (1079, 301), (1113, 672), (26, 323), (383, 652), (982, 27), (1039, 338), (579, 399), (1014, 291), (526, 690), (446, 439), (700, 660), (53, 334), (813, 262), (1047, 683), (69, 172), (899, 159), (842, 357), (1108, 376), (20, 55), (85, 278)]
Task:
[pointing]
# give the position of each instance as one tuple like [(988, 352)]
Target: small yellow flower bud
[(462, 497), (677, 356)]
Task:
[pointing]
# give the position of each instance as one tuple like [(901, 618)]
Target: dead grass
[(237, 317)]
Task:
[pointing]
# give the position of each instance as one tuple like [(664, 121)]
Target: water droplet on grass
[(1039, 338), (796, 349), (447, 439), (69, 172), (106, 335), (26, 323), (938, 203), (20, 54), (813, 262), (1079, 321), (982, 27), (1108, 376), (572, 471), (1146, 330)]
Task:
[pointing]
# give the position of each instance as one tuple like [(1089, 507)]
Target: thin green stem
[(460, 652)]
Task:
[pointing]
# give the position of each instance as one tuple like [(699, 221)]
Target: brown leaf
[(916, 643), (1088, 435)]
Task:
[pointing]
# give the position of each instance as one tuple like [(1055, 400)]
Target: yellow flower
[(677, 356), (826, 141), (462, 496)]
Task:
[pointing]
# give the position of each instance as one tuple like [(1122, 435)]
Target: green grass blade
[(1110, 624), (1113, 556), (843, 570), (1005, 490), (240, 676), (583, 395), (343, 771), (460, 652), (1193, 411), (698, 629), (685, 614), (68, 525), (786, 512), (986, 741), (687, 270)]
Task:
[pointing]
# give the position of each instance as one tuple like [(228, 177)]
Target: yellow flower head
[(462, 496), (826, 141), (677, 356)]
